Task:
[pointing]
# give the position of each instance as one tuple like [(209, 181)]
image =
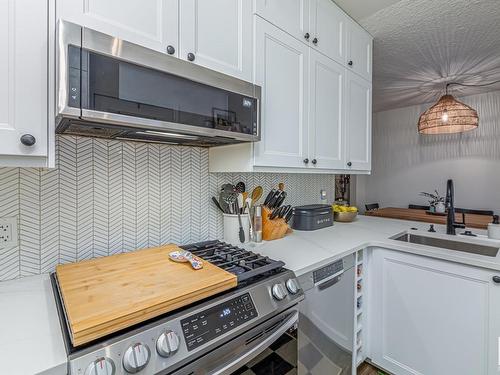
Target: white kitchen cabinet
[(24, 42), (326, 113), (328, 25), (358, 125), (359, 46), (282, 70), (218, 34), (149, 23), (292, 16), (432, 317)]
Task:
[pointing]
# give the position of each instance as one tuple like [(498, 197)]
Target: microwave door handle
[(330, 281), (248, 355)]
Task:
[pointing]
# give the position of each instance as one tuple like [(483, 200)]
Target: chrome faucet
[(451, 224)]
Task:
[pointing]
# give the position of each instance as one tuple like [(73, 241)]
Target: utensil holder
[(273, 229), (232, 228)]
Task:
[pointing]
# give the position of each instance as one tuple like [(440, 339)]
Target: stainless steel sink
[(467, 247)]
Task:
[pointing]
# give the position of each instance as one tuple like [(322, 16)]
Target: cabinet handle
[(349, 164), (28, 140), (496, 279), (307, 36), (314, 161), (306, 161), (170, 50), (315, 41), (350, 63), (191, 56)]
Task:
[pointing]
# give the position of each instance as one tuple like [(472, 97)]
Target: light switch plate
[(8, 232)]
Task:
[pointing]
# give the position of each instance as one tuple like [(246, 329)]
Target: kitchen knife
[(275, 214), (269, 197), (281, 199), (272, 204), (289, 215)]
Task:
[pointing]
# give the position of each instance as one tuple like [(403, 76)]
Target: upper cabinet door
[(281, 69), (359, 46), (218, 35), (291, 16), (329, 24), (149, 23), (358, 122), (23, 82), (326, 114)]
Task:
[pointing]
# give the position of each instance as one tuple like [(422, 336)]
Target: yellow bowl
[(345, 217)]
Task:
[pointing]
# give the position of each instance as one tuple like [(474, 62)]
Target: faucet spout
[(451, 224)]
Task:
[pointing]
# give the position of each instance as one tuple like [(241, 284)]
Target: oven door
[(269, 348)]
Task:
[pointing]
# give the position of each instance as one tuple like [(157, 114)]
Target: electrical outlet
[(8, 232)]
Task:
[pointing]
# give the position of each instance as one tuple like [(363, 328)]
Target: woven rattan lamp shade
[(448, 116)]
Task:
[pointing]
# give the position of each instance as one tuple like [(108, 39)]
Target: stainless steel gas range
[(250, 328)]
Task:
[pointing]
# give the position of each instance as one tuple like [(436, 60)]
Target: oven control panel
[(207, 325)]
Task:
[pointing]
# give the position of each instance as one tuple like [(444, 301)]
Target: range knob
[(167, 344), (136, 357), (279, 292), (293, 286), (101, 366)]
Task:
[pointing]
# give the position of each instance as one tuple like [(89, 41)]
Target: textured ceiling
[(359, 9), (419, 45)]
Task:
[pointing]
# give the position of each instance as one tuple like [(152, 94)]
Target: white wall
[(406, 163)]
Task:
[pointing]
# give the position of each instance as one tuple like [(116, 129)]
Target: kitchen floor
[(367, 369)]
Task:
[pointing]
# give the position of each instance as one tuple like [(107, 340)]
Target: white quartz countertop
[(305, 251), (31, 336), (31, 340)]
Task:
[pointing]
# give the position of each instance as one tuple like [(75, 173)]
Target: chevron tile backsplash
[(106, 197)]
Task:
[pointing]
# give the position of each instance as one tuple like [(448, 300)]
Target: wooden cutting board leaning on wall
[(105, 295)]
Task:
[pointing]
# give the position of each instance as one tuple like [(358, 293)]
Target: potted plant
[(436, 201)]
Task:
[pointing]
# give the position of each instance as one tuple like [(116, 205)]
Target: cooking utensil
[(217, 204), (240, 187), (229, 199), (274, 199), (289, 215), (269, 196), (281, 199), (256, 194), (241, 233)]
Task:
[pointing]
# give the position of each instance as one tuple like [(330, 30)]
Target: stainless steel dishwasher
[(326, 325)]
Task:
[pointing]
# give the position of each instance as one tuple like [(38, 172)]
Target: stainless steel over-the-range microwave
[(110, 88)]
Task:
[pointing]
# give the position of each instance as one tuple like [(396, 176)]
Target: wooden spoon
[(256, 194)]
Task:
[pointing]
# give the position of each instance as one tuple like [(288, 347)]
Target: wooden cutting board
[(105, 295)]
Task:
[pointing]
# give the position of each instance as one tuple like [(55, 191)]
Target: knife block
[(273, 229)]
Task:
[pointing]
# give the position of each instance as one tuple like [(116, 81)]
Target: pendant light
[(448, 116)]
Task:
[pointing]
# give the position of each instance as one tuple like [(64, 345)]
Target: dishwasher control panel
[(329, 271)]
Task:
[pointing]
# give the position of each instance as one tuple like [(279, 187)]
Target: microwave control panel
[(207, 325)]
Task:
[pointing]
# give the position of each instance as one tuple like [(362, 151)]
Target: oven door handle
[(253, 352)]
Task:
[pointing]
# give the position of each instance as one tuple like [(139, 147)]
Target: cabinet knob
[(170, 50), (191, 56), (315, 41), (349, 164), (350, 63), (496, 279), (28, 140), (314, 161), (306, 161), (306, 36)]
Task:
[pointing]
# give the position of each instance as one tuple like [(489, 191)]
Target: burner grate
[(245, 264)]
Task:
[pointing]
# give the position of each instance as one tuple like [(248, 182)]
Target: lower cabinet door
[(432, 317)]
